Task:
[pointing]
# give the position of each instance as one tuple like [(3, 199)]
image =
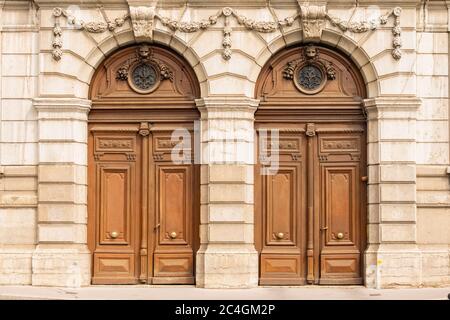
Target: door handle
[(157, 226), (113, 234), (324, 228), (364, 178), (279, 235), (173, 235)]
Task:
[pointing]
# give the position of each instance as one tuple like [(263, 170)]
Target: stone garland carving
[(364, 26), (92, 27), (311, 16), (227, 12)]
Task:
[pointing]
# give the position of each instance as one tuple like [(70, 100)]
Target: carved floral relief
[(143, 72), (309, 72)]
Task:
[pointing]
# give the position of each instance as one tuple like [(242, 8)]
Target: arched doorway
[(143, 192), (310, 180)]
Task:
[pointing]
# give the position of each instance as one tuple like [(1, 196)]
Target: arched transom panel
[(144, 76), (300, 75)]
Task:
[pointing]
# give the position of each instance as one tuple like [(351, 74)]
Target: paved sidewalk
[(141, 292)]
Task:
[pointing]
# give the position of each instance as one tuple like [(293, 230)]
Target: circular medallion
[(143, 78), (310, 79)]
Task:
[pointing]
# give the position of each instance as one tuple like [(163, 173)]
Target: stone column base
[(393, 265), (15, 266), (61, 267), (227, 266)]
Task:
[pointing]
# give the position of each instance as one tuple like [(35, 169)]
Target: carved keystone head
[(310, 52), (144, 51)]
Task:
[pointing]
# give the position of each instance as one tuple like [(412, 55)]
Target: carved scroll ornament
[(311, 16)]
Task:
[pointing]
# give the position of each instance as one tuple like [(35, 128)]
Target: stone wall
[(44, 107), (433, 220), (19, 140)]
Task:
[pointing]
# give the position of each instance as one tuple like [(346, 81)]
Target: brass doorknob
[(114, 234), (340, 235), (173, 235), (279, 235), (364, 178)]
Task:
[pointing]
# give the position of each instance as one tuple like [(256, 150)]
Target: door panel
[(281, 207), (342, 205), (173, 268), (339, 191), (116, 268), (114, 164), (174, 205), (282, 211), (115, 203)]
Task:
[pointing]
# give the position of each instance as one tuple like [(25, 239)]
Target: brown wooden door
[(143, 203), (309, 210), (310, 214), (144, 206)]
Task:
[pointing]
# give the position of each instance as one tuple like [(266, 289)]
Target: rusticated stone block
[(61, 267), (227, 267), (15, 266)]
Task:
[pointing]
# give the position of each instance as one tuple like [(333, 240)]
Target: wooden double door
[(143, 206), (310, 207)]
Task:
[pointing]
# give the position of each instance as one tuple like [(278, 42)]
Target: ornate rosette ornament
[(309, 73), (143, 72)]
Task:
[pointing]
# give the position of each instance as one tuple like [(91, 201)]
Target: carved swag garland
[(311, 17)]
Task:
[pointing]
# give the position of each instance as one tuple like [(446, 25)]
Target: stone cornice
[(227, 101), (392, 103), (234, 3), (62, 104)]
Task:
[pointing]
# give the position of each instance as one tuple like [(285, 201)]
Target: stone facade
[(48, 58)]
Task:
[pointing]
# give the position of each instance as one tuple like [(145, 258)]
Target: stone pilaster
[(392, 257), (61, 257), (227, 256)]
